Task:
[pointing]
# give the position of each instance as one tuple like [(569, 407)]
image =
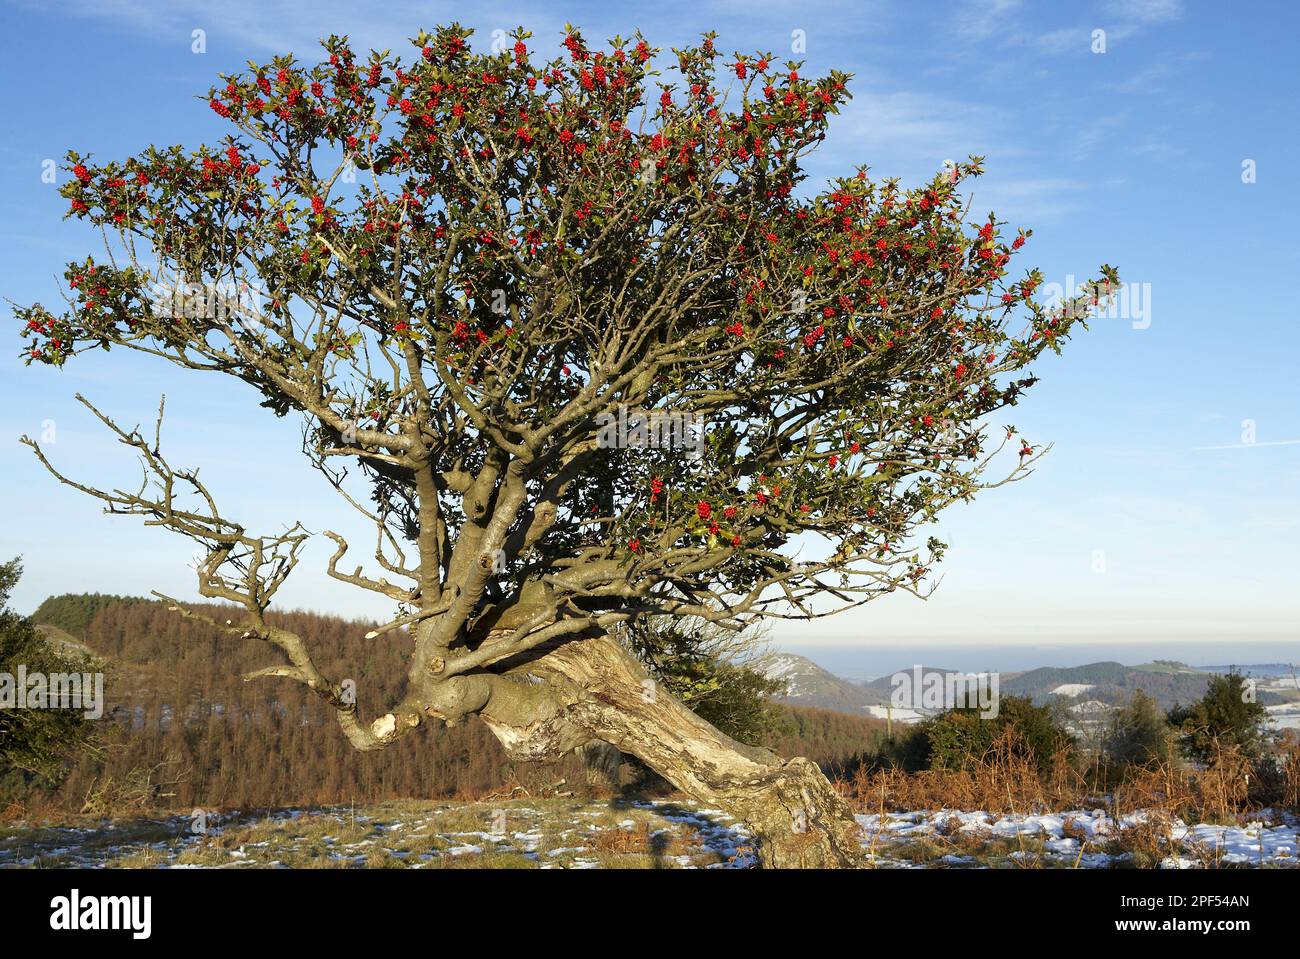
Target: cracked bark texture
[(593, 689)]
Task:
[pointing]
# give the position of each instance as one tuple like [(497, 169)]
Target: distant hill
[(1258, 670), (1090, 689), (182, 729), (885, 684), (1167, 666), (72, 612), (807, 684), (1113, 684), (1109, 683), (68, 646), (1046, 679)]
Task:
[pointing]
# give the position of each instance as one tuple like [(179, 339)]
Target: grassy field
[(630, 834), (519, 834)]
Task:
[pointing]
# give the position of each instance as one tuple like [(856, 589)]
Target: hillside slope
[(183, 729), (807, 684)]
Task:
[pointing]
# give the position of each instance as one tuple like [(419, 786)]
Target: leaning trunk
[(593, 689)]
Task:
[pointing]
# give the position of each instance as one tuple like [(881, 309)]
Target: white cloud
[(1003, 23), (298, 25), (1029, 200), (981, 19), (910, 134), (1095, 132), (1159, 149), (1064, 40), (1145, 11)]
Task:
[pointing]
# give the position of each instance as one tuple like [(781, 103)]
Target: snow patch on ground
[(1073, 689), (1080, 837), (552, 834), (556, 834), (900, 715), (1285, 715)]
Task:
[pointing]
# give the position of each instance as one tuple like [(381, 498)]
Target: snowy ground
[(572, 834), (1073, 689), (899, 715), (546, 834), (1083, 838), (1285, 715)]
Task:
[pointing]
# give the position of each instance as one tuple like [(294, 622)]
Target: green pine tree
[(1138, 736), (1227, 716), (34, 743)]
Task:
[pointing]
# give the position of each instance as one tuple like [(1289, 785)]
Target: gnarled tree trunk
[(593, 689)]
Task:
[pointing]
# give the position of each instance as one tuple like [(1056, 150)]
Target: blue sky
[(1131, 529)]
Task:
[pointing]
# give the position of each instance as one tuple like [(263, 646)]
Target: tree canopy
[(461, 269), (1228, 716)]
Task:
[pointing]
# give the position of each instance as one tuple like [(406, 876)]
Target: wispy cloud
[(1158, 148), (1145, 11), (910, 134), (1131, 17), (1095, 132), (977, 20), (297, 25), (1008, 24), (1064, 40), (1030, 200), (1159, 77)]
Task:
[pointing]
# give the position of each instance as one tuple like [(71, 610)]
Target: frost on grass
[(571, 834), (1077, 839), (545, 834)]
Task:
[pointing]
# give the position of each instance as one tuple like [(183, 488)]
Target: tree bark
[(593, 689)]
